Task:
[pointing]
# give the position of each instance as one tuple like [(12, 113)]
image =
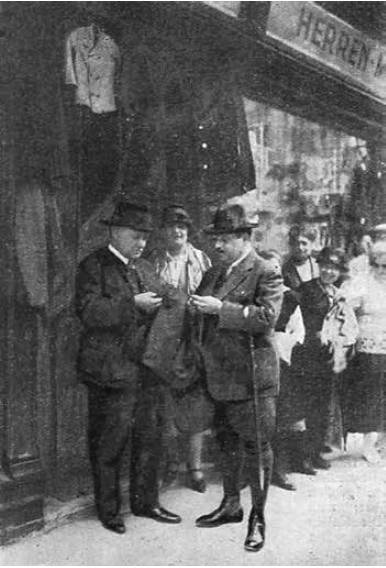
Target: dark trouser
[(147, 443), (317, 413), (118, 417), (111, 415), (287, 415), (313, 385), (238, 439)]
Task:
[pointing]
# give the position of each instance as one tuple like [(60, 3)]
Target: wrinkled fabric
[(92, 59), (339, 332)]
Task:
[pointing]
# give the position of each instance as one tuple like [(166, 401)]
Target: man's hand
[(206, 304), (147, 301)]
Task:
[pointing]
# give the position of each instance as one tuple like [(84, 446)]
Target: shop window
[(304, 172)]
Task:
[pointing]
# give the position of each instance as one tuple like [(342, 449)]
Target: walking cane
[(256, 414)]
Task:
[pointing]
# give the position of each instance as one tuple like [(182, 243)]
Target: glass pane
[(303, 169)]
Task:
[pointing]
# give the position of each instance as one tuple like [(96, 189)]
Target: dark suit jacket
[(114, 330), (233, 342)]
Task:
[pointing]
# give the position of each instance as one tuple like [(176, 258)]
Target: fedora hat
[(131, 215), (175, 215), (333, 257), (231, 219)]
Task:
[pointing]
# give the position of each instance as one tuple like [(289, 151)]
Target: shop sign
[(310, 29), (230, 8)]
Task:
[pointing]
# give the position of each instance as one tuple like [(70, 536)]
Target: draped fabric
[(191, 140), (46, 180)]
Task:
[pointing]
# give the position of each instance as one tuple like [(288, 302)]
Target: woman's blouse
[(185, 271), (368, 298)]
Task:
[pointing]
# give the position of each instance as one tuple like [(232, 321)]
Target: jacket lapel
[(238, 275)]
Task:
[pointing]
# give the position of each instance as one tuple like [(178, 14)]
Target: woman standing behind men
[(317, 362), (182, 266), (366, 396), (300, 266)]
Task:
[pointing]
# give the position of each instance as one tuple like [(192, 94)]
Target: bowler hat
[(231, 219), (175, 215), (333, 257), (131, 215)]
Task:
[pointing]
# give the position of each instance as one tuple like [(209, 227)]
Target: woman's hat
[(333, 257), (175, 215), (231, 219), (131, 215)]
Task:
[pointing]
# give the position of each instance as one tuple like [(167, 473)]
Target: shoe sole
[(250, 548), (219, 524), (158, 519)]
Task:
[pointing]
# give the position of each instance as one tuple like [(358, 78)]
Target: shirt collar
[(246, 252), (118, 254)]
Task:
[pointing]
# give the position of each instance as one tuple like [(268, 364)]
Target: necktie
[(220, 280), (133, 275)]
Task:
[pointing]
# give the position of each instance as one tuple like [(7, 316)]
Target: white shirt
[(246, 252), (118, 254), (308, 270), (92, 60), (367, 296), (174, 267)]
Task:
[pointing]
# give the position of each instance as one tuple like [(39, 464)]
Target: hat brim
[(133, 227), (337, 265), (187, 222), (213, 231)]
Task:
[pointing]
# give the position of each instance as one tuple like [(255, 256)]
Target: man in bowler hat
[(240, 301), (117, 296)]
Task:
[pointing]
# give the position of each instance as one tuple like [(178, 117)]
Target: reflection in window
[(303, 171)]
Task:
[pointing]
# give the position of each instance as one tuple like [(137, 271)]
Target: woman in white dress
[(366, 389)]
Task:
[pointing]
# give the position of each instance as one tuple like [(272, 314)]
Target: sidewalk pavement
[(337, 518)]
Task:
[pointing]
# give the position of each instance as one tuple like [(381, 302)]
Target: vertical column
[(21, 477)]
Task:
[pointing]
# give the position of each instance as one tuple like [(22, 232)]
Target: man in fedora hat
[(240, 301), (117, 295)]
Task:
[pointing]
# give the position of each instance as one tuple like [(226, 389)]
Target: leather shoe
[(281, 480), (256, 532), (229, 511), (306, 467), (321, 463), (116, 525), (157, 513)]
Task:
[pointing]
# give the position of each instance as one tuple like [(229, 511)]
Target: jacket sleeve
[(95, 309), (259, 316)]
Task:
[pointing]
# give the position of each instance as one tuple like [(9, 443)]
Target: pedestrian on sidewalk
[(117, 296), (239, 301)]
